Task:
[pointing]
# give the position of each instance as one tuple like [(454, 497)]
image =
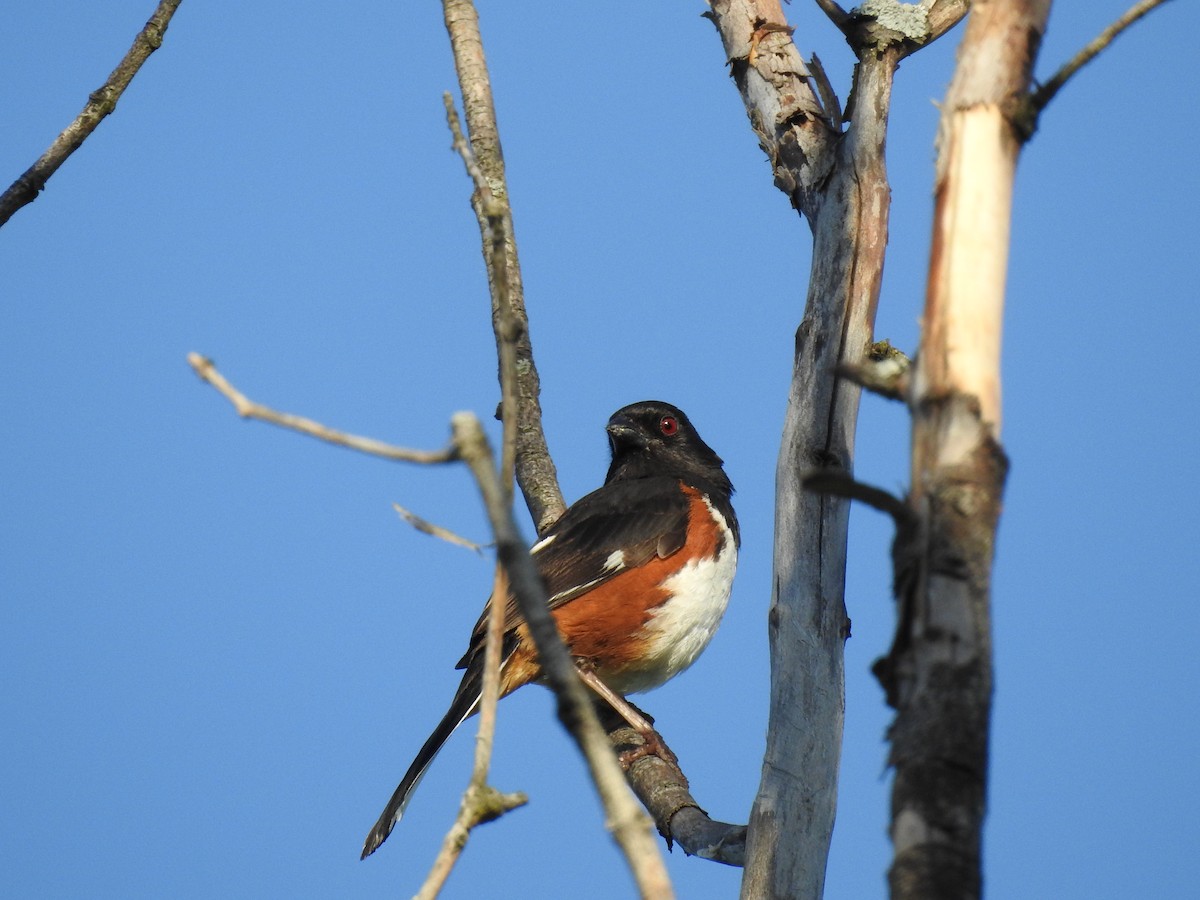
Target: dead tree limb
[(524, 445), (938, 674), (838, 180), (101, 102)]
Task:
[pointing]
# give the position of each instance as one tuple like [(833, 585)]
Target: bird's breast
[(695, 596)]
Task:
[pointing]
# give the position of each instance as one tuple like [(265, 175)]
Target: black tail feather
[(465, 703)]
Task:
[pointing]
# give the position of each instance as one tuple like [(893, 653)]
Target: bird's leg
[(652, 743)]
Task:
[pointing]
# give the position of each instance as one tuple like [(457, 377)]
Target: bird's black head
[(656, 438)]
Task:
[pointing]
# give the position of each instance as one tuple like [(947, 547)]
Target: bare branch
[(1044, 94), (478, 800), (100, 103), (841, 484), (784, 109), (534, 468), (664, 791), (433, 530), (493, 213), (628, 823), (248, 409)]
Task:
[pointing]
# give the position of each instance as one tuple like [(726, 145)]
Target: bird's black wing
[(617, 527)]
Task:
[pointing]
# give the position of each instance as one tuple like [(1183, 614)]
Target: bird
[(637, 573)]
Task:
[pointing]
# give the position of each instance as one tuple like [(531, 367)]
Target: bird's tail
[(466, 701)]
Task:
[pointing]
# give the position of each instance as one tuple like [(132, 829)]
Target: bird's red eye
[(668, 425)]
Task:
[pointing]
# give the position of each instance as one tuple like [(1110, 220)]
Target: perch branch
[(664, 791), (101, 102), (248, 409)]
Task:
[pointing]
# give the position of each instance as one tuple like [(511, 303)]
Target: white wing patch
[(543, 544), (614, 563)]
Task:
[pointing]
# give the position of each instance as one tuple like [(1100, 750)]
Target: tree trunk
[(791, 824), (938, 674)]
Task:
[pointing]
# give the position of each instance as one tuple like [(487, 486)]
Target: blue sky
[(219, 645)]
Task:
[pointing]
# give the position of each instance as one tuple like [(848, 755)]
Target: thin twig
[(534, 468), (248, 409), (100, 103), (629, 825), (493, 213), (434, 530), (1044, 94), (481, 803)]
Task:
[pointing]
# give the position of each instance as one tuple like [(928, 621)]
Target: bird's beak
[(622, 432)]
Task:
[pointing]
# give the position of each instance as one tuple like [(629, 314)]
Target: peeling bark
[(838, 180)]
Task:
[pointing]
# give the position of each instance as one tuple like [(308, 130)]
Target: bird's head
[(656, 438)]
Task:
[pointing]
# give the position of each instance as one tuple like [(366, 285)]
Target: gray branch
[(101, 102)]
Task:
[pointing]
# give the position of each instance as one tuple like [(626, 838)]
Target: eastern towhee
[(637, 573)]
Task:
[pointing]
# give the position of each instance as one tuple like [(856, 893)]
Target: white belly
[(680, 629)]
